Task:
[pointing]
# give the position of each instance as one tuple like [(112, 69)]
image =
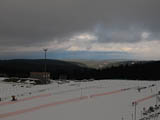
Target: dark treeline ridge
[(23, 67), (149, 70), (139, 70)]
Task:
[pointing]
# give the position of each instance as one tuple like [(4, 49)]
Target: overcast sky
[(81, 27)]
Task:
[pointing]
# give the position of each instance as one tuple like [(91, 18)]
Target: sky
[(82, 29)]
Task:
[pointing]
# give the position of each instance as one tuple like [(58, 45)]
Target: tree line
[(76, 71)]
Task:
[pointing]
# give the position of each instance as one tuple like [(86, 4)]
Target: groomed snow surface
[(94, 100)]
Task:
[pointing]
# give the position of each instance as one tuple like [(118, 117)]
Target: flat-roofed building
[(40, 75)]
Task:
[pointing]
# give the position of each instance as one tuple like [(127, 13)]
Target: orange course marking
[(34, 97), (41, 106), (4, 115), (25, 99), (146, 98), (49, 94), (107, 93)]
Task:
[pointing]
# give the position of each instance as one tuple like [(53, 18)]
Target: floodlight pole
[(45, 66)]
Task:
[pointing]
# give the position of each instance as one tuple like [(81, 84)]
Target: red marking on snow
[(4, 115), (42, 106), (107, 93), (144, 99), (40, 96), (25, 99)]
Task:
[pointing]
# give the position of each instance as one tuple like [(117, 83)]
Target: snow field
[(63, 101)]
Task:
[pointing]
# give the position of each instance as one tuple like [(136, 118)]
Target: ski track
[(98, 91)]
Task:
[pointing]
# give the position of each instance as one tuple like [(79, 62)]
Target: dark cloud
[(35, 22)]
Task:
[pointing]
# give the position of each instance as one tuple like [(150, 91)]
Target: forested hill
[(144, 70), (22, 68)]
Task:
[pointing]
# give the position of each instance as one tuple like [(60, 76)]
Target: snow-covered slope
[(96, 100)]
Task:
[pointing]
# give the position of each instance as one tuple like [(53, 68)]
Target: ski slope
[(96, 100)]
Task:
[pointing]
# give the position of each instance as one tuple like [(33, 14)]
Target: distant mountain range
[(100, 64)]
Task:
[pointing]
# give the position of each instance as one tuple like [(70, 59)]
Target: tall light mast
[(45, 63)]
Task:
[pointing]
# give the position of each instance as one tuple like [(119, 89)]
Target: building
[(40, 75)]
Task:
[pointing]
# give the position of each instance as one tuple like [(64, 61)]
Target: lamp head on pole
[(45, 49)]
